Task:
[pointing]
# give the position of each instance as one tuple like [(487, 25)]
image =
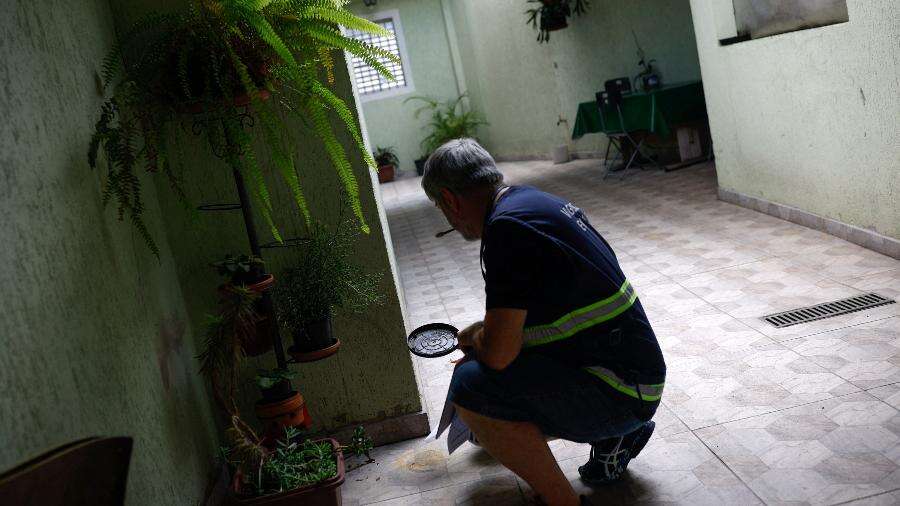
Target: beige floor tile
[(888, 499), (867, 355), (777, 405), (888, 393), (720, 370), (670, 300), (676, 469), (821, 453), (752, 291), (886, 284), (846, 261), (498, 490)]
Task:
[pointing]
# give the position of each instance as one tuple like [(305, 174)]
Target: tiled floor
[(750, 415)]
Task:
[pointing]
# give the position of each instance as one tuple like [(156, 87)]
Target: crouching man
[(565, 349)]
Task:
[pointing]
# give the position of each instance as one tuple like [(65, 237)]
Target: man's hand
[(466, 336)]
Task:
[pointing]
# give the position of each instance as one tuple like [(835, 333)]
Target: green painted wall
[(809, 118), (372, 376), (98, 337), (94, 337), (525, 87), (389, 121)]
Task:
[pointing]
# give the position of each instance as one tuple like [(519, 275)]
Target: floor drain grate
[(826, 310)]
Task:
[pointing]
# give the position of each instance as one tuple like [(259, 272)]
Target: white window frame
[(409, 88)]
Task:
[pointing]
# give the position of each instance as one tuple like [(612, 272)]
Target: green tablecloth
[(655, 111)]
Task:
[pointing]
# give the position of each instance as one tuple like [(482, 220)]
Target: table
[(656, 111)]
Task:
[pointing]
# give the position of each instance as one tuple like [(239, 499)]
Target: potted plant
[(449, 120), (280, 406), (233, 324), (292, 471), (215, 66), (553, 15), (278, 415), (387, 162), (323, 281), (274, 384), (248, 271)]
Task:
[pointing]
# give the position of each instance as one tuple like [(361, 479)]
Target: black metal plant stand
[(268, 305), (266, 302), (231, 149)]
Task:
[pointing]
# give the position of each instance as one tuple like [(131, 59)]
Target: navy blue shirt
[(541, 254)]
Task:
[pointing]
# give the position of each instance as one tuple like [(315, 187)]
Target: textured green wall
[(98, 337), (810, 118), (524, 87), (389, 121), (93, 334), (371, 377)]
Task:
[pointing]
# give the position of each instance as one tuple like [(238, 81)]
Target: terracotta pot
[(262, 285), (312, 356), (325, 493), (385, 174), (290, 412)]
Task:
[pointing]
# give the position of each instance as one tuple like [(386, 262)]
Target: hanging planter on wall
[(553, 15)]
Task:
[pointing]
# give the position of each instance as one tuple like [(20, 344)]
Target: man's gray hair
[(459, 165)]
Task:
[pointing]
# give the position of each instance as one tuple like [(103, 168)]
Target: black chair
[(610, 101)]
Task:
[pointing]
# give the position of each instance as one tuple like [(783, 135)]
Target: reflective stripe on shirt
[(643, 392), (580, 319)]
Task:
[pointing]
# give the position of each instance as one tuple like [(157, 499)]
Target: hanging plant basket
[(553, 15), (553, 20)]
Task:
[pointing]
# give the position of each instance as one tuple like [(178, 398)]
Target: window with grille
[(369, 82)]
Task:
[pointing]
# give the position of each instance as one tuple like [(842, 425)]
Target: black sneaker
[(610, 457)]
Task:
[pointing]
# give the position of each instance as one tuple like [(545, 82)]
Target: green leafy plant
[(266, 378), (292, 463), (223, 66), (385, 156), (360, 443), (448, 121), (241, 269), (325, 279), (234, 323), (552, 15)]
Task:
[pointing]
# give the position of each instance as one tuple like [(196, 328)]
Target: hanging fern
[(167, 66)]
